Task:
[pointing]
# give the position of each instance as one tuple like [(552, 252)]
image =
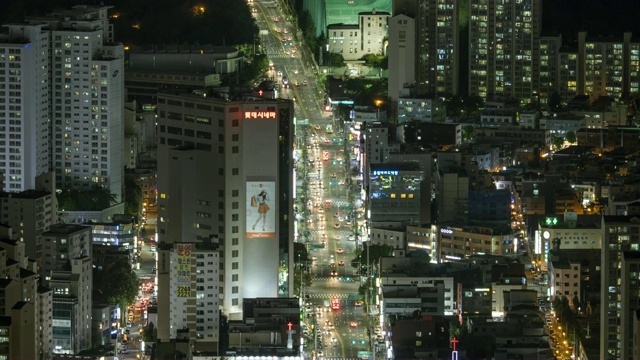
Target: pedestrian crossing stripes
[(329, 296), (279, 56), (336, 358), (334, 278)]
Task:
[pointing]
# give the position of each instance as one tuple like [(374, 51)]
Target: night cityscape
[(319, 179)]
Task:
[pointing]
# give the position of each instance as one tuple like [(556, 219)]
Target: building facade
[(214, 157), (190, 302)]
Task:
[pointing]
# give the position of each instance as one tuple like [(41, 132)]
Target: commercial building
[(189, 284), (190, 59), (72, 306), (427, 110), (402, 295), (394, 193), (270, 326), (459, 242), (214, 156), (620, 234)]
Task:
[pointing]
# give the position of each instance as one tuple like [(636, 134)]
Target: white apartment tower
[(86, 103), (24, 105)]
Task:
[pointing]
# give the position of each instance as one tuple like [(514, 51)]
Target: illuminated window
[(403, 196), (410, 196), (393, 196), (163, 196)]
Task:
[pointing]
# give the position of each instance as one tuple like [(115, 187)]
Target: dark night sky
[(567, 17)]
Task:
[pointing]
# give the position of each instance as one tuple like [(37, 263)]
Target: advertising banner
[(261, 209), (183, 270)]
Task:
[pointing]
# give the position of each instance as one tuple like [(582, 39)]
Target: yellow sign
[(183, 270)]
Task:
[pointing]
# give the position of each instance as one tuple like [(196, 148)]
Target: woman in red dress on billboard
[(263, 208)]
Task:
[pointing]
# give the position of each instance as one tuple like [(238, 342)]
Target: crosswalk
[(329, 296), (334, 278)]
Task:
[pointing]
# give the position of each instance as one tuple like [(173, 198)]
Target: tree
[(149, 332), (554, 101), (300, 254), (557, 141), (298, 276), (133, 196), (308, 27), (115, 283), (375, 253), (333, 59), (468, 133), (95, 199), (571, 137)]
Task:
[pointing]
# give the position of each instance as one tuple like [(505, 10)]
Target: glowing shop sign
[(446, 231), (385, 172), (259, 114)]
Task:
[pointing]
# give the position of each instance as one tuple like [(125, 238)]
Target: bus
[(329, 129), (335, 304)]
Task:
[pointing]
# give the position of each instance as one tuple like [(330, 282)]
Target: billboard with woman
[(261, 209)]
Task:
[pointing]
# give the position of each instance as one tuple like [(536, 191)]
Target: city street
[(325, 206)]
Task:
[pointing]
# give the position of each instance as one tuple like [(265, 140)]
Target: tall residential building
[(85, 70), (24, 105), (548, 70), (225, 169), (620, 234), (436, 44), (503, 41), (190, 278), (629, 293), (608, 66)]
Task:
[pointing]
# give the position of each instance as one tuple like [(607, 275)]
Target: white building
[(86, 70), (402, 54), (192, 273), (366, 37), (564, 279), (24, 95), (563, 123)]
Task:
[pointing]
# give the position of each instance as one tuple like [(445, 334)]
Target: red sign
[(290, 325), (259, 114)]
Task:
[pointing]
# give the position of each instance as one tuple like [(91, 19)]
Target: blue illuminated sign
[(385, 172)]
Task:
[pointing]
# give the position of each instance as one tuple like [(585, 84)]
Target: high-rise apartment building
[(503, 41), (193, 301), (24, 105), (436, 44), (74, 51), (620, 234), (225, 169)]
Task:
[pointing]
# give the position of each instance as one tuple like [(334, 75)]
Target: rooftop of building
[(215, 96), (25, 273), (343, 26), (19, 305), (4, 283), (11, 262), (65, 229), (402, 166), (575, 150), (621, 219), (561, 264), (43, 289), (27, 194), (183, 49)]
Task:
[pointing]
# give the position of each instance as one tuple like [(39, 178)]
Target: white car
[(295, 71), (352, 238)]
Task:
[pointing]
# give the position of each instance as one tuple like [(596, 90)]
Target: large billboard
[(183, 270), (261, 209)]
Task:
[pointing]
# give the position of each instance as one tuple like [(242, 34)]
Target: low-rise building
[(564, 279)]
